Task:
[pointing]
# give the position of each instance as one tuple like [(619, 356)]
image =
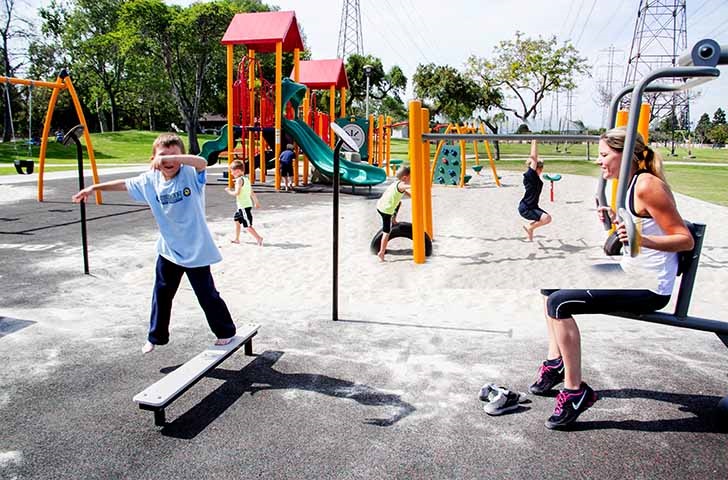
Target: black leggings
[(562, 304), (387, 219)]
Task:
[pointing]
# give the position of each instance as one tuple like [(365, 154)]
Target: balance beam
[(162, 393)]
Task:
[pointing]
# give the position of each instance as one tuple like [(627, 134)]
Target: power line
[(586, 22)]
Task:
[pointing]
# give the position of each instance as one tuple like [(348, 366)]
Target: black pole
[(72, 135), (84, 242), (335, 283)]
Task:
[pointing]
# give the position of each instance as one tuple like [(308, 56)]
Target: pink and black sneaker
[(570, 404), (550, 374)]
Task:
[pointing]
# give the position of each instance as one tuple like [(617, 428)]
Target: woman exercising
[(651, 206)]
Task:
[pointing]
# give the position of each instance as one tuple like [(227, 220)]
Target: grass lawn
[(134, 146)]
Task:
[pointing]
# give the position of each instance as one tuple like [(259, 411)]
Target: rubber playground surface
[(388, 391)]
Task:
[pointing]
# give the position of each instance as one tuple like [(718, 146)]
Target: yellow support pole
[(342, 99), (279, 112), (86, 135), (426, 179), (332, 113), (296, 77), (44, 141), (380, 141), (388, 136), (621, 121), (370, 142), (251, 122), (463, 158), (643, 126), (416, 174), (230, 125), (306, 111)]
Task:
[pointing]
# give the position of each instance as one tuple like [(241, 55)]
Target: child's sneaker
[(570, 404), (499, 400), (549, 376)]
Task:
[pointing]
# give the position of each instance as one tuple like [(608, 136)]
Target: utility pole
[(660, 36), (350, 32)]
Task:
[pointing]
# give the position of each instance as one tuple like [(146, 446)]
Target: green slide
[(318, 151), (211, 149)]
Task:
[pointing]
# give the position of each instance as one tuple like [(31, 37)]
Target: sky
[(446, 32), (410, 32)]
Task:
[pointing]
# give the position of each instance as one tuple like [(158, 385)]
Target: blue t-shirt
[(178, 206), (286, 157)]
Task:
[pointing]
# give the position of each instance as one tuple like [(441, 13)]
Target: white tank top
[(662, 264)]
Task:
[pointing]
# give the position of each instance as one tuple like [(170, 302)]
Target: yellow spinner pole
[(621, 121), (44, 141), (279, 112), (230, 125), (416, 167), (251, 122), (86, 135), (296, 77), (306, 112), (426, 179)]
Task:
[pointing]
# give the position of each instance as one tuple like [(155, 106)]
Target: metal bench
[(162, 393)]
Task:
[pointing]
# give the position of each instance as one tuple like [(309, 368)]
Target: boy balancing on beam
[(174, 189)]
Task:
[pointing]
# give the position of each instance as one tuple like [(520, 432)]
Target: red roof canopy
[(322, 74), (261, 31)]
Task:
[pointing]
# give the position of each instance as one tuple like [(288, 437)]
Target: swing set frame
[(63, 82)]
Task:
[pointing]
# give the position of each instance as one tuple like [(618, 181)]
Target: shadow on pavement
[(259, 375)]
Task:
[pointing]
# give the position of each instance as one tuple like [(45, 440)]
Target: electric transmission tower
[(660, 36), (607, 84), (350, 34)]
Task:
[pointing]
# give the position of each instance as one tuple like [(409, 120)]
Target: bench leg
[(249, 348), (159, 418)]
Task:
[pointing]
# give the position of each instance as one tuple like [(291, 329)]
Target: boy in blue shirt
[(286, 160), (174, 189)]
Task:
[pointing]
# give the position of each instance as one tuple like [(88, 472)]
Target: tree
[(385, 88), (702, 128), (187, 43), (719, 117), (719, 133), (447, 91), (528, 69), (13, 29)]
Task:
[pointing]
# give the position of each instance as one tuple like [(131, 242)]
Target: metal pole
[(81, 186), (335, 261), (367, 102)]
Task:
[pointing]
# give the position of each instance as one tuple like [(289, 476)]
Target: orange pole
[(415, 155), (44, 141), (370, 142), (296, 77), (389, 138), (279, 112), (230, 126), (251, 122), (342, 99), (35, 83), (306, 112), (380, 141), (86, 135), (332, 112), (426, 179)]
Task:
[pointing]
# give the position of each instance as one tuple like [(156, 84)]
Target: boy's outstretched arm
[(113, 185), (533, 158)]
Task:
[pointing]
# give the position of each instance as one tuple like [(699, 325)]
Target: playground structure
[(63, 82), (450, 165), (259, 106)]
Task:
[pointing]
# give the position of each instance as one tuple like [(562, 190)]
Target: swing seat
[(467, 179), (477, 168), (24, 167), (553, 177)]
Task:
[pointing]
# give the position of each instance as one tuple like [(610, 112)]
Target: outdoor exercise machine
[(158, 396), (699, 65), (63, 82)]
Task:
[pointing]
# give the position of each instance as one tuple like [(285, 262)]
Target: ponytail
[(653, 163)]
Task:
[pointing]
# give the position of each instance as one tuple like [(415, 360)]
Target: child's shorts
[(287, 169), (240, 217), (387, 219), (533, 214)]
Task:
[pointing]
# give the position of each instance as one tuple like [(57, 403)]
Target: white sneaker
[(499, 400)]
